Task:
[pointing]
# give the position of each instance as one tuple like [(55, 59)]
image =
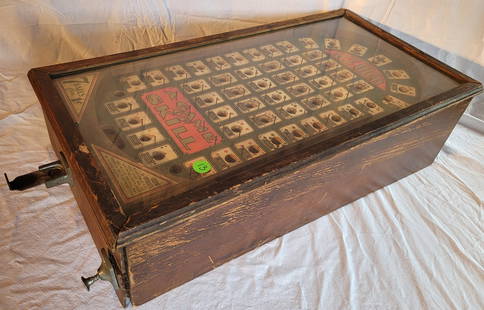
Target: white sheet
[(416, 244)]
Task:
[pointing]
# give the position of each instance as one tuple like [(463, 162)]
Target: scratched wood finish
[(189, 248), (92, 222), (160, 249)]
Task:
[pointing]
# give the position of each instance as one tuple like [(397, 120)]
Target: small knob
[(104, 272), (90, 280)]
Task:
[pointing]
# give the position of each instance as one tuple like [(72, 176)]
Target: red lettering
[(182, 121), (363, 68)]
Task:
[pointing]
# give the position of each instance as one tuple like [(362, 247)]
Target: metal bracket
[(51, 174), (104, 272)]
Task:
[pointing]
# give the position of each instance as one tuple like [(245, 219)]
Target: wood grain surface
[(189, 248)]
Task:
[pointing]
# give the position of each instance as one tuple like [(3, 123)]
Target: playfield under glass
[(162, 125)]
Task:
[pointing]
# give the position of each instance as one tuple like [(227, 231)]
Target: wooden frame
[(129, 238)]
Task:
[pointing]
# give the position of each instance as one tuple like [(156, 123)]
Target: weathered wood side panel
[(91, 219), (93, 223), (169, 258)]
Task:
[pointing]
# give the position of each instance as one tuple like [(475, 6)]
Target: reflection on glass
[(162, 125)]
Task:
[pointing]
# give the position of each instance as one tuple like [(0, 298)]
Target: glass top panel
[(161, 126)]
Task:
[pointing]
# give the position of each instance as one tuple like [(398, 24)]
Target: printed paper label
[(76, 91), (131, 179)]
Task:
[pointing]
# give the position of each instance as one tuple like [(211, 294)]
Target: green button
[(202, 166)]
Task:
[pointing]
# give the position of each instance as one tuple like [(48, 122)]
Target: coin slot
[(343, 75), (236, 129), (335, 118), (229, 159), (236, 92), (301, 89), (253, 149), (389, 99), (276, 97), (272, 66), (122, 105), (158, 155), (264, 119), (316, 125), (291, 110), (249, 105), (276, 141), (371, 105), (403, 89), (158, 77), (133, 121), (353, 112), (308, 71), (314, 55), (297, 133), (134, 83), (145, 138), (316, 101), (222, 79), (222, 113)]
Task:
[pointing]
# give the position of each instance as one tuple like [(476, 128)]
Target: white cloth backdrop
[(416, 244)]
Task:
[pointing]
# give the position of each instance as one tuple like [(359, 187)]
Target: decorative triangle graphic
[(76, 90), (130, 179)]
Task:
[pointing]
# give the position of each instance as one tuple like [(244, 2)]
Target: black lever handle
[(51, 174)]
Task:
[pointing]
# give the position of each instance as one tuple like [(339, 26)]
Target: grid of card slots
[(261, 98)]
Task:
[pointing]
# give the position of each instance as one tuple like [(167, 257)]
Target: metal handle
[(105, 272), (90, 280), (52, 174)]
